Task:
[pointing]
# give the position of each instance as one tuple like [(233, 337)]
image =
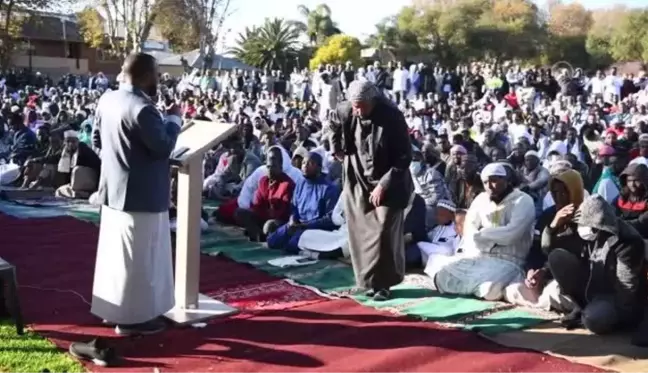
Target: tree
[(510, 28), (337, 49), (570, 19), (126, 24), (272, 46), (193, 24), (92, 27), (630, 40), (568, 26), (604, 24), (319, 24)]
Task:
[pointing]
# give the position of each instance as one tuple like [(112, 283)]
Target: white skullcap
[(70, 134), (532, 153), (15, 109), (493, 169), (447, 204)]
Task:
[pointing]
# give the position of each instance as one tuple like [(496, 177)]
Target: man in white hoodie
[(498, 232)]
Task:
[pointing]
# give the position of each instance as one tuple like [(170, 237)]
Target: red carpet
[(282, 328)]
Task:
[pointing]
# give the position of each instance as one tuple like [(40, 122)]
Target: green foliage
[(465, 30), (274, 45), (319, 25), (337, 50), (176, 22), (630, 41), (91, 25)]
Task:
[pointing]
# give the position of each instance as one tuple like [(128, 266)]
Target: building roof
[(51, 27), (194, 60)]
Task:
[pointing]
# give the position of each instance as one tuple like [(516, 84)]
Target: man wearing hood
[(607, 281), (554, 228), (312, 203), (632, 204), (498, 233)]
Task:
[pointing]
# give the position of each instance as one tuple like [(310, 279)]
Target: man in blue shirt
[(312, 203)]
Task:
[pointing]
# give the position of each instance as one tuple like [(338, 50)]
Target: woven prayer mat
[(415, 297)]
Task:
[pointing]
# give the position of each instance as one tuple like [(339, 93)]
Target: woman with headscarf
[(632, 204)]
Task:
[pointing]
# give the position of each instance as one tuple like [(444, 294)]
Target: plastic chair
[(8, 279)]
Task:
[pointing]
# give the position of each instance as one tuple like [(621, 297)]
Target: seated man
[(328, 243), (498, 232), (554, 228), (271, 203), (43, 171), (225, 212), (312, 203), (234, 166), (40, 168), (81, 167), (609, 283), (443, 238)]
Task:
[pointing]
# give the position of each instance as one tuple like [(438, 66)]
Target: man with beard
[(498, 232), (467, 185), (370, 134), (133, 281)]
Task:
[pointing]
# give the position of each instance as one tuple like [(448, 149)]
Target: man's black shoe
[(96, 351), (150, 327)]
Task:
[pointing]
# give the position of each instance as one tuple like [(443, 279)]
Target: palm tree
[(319, 24), (269, 46)]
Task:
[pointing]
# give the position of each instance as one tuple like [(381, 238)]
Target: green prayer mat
[(412, 299), (336, 278)]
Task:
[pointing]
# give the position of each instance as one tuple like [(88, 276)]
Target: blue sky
[(354, 17)]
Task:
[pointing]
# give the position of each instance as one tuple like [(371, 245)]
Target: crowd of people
[(521, 185)]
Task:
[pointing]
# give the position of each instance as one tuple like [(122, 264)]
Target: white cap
[(70, 134), (493, 169)]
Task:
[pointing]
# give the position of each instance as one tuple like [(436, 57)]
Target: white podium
[(195, 139)]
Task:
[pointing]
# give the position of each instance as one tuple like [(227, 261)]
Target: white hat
[(493, 169), (532, 153), (70, 134)]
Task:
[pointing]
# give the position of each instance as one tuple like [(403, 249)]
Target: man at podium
[(133, 280)]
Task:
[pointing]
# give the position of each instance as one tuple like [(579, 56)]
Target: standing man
[(133, 281), (370, 136)]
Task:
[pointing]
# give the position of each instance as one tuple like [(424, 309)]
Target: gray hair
[(362, 91)]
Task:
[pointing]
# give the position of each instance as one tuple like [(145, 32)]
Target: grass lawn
[(31, 353)]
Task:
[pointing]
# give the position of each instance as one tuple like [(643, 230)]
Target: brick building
[(52, 44)]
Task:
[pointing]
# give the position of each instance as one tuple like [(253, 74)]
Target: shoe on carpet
[(96, 351), (573, 320), (147, 328), (381, 295)]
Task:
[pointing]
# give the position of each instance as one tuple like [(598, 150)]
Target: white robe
[(133, 279), (326, 241)]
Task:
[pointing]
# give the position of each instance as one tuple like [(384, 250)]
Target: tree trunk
[(8, 41)]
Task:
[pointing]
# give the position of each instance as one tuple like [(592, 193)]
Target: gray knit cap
[(362, 91)]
